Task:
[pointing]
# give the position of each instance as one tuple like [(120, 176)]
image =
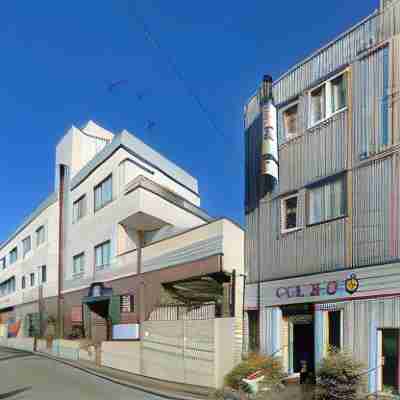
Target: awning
[(94, 299)]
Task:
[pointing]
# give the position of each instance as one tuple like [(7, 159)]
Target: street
[(28, 376)]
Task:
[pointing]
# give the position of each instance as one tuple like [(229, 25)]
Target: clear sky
[(57, 58)]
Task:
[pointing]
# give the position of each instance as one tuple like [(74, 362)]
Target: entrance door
[(390, 354), (303, 346)]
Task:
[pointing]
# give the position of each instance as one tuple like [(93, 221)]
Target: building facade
[(122, 241), (322, 248)]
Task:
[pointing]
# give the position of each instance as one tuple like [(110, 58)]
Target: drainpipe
[(60, 327)]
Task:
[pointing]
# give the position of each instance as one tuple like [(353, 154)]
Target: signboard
[(125, 331)]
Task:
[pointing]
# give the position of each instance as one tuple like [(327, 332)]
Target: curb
[(116, 380)]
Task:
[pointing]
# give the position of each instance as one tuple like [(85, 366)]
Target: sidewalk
[(169, 390)]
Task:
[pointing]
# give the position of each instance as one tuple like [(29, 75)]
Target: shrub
[(270, 366), (339, 376)]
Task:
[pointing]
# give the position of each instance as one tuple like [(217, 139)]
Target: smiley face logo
[(352, 284)]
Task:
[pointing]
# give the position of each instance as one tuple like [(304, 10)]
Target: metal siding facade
[(320, 152), (371, 213)]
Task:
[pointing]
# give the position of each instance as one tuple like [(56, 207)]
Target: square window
[(290, 121), (327, 202), (289, 206)]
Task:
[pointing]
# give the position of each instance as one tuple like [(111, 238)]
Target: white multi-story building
[(122, 229)]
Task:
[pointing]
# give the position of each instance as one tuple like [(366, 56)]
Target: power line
[(179, 75)]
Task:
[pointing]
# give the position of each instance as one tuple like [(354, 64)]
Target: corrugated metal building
[(322, 249)]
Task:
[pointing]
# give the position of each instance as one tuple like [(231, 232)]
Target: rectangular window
[(290, 122), (3, 263), (327, 202), (7, 287), (339, 93), (44, 273), (328, 98), (103, 193), (23, 282), (79, 209), (13, 255), (79, 265), (40, 236), (289, 213), (26, 246), (318, 111), (32, 278), (127, 303), (103, 255)]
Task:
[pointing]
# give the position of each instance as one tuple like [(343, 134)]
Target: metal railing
[(177, 312)]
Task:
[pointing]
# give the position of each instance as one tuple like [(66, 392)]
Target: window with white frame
[(327, 201), (328, 99), (23, 282), (103, 193), (26, 246), (13, 255), (3, 263), (102, 255), (40, 235), (78, 267), (79, 209), (289, 213), (290, 122)]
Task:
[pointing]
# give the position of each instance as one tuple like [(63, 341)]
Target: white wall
[(45, 254)]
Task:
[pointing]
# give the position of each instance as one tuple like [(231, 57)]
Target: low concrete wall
[(124, 356), (88, 354), (68, 349), (20, 343)]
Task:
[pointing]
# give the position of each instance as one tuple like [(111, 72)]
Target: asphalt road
[(27, 376)]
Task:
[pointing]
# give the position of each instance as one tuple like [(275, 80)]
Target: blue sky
[(58, 57)]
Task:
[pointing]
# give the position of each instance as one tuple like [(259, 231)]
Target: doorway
[(303, 346), (390, 358)]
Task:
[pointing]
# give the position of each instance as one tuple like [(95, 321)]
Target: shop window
[(335, 329), (254, 343)]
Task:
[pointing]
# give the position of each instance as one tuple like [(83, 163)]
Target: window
[(127, 303), (7, 287), (103, 255), (79, 265), (327, 201), (26, 246), (290, 122), (289, 213), (103, 193), (3, 263), (23, 282), (40, 236), (44, 273), (79, 209), (32, 278), (338, 95), (327, 99), (13, 255)]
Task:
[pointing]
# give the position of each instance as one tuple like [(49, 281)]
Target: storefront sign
[(320, 289)]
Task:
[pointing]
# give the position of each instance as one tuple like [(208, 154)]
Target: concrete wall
[(124, 356)]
